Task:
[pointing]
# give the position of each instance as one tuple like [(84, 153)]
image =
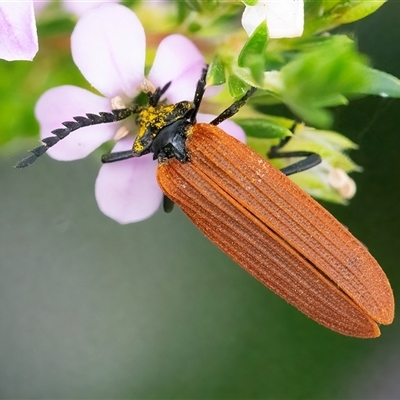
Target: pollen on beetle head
[(342, 182), (147, 87), (117, 103), (121, 133)]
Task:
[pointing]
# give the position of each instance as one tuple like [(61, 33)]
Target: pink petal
[(178, 61), (108, 46), (80, 7), (62, 104), (18, 36), (228, 126), (127, 191)]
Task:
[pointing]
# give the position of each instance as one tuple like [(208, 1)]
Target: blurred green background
[(92, 309)]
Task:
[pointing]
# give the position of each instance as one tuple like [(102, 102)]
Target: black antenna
[(70, 126), (155, 97), (90, 119)]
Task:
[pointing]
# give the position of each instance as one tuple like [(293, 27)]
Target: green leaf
[(328, 144), (329, 138), (260, 145), (216, 72), (252, 55), (262, 128), (244, 75), (323, 77), (381, 84), (323, 15), (350, 11), (237, 88)]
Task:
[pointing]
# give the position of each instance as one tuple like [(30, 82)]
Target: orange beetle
[(254, 213)]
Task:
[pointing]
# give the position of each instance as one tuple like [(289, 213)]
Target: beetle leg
[(168, 204), (312, 159), (117, 156), (234, 108)]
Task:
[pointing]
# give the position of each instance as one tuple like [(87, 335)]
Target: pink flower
[(108, 46), (18, 36)]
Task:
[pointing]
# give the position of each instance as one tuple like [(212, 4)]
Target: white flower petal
[(285, 18), (108, 46)]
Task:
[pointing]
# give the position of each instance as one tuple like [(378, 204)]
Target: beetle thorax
[(152, 119)]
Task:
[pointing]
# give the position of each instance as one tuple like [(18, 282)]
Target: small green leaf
[(334, 139), (323, 15), (262, 128), (252, 54), (250, 2), (216, 72), (256, 67), (237, 88), (351, 11), (328, 144), (244, 75)]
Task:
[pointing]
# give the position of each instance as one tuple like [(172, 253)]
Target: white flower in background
[(342, 182), (284, 18)]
